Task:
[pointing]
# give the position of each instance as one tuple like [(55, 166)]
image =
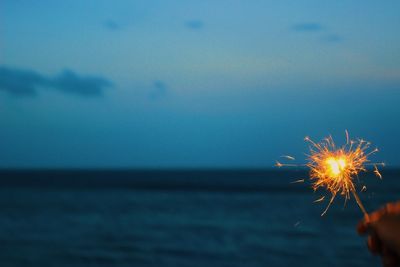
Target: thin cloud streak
[(307, 27)]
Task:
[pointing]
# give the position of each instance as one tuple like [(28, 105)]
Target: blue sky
[(168, 84)]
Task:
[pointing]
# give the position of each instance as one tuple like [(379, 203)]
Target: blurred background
[(144, 133)]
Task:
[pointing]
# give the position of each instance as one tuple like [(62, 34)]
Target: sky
[(194, 84)]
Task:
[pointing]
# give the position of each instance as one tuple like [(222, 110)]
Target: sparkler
[(335, 168)]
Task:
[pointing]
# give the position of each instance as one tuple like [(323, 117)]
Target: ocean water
[(180, 218)]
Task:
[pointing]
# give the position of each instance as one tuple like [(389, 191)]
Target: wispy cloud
[(323, 34), (194, 24), (307, 27), (20, 82), (159, 90)]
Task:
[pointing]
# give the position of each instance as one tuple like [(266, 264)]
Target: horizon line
[(166, 169)]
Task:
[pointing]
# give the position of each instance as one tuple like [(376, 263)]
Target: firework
[(336, 168)]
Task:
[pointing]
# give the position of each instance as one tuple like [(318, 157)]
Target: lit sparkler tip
[(335, 168)]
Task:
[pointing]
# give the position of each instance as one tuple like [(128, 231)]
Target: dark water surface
[(180, 218)]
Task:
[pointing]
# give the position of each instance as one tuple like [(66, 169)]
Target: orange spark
[(319, 199), (377, 173), (364, 188), (298, 181), (288, 157)]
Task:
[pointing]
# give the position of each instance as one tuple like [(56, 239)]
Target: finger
[(367, 223), (362, 228), (374, 244), (393, 208), (376, 215)]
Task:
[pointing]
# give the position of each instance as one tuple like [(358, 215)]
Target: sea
[(204, 218)]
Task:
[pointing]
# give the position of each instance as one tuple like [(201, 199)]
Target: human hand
[(383, 229)]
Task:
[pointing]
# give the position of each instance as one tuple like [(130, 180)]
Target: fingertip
[(362, 227), (366, 218), (375, 216)]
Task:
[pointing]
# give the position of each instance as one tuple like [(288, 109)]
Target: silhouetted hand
[(383, 229)]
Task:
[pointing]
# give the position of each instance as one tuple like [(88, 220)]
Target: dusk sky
[(192, 84)]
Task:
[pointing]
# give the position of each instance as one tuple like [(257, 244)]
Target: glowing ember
[(334, 168)]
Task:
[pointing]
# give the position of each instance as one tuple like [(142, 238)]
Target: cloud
[(111, 25), (307, 27), (194, 24), (20, 82), (70, 82), (159, 90)]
